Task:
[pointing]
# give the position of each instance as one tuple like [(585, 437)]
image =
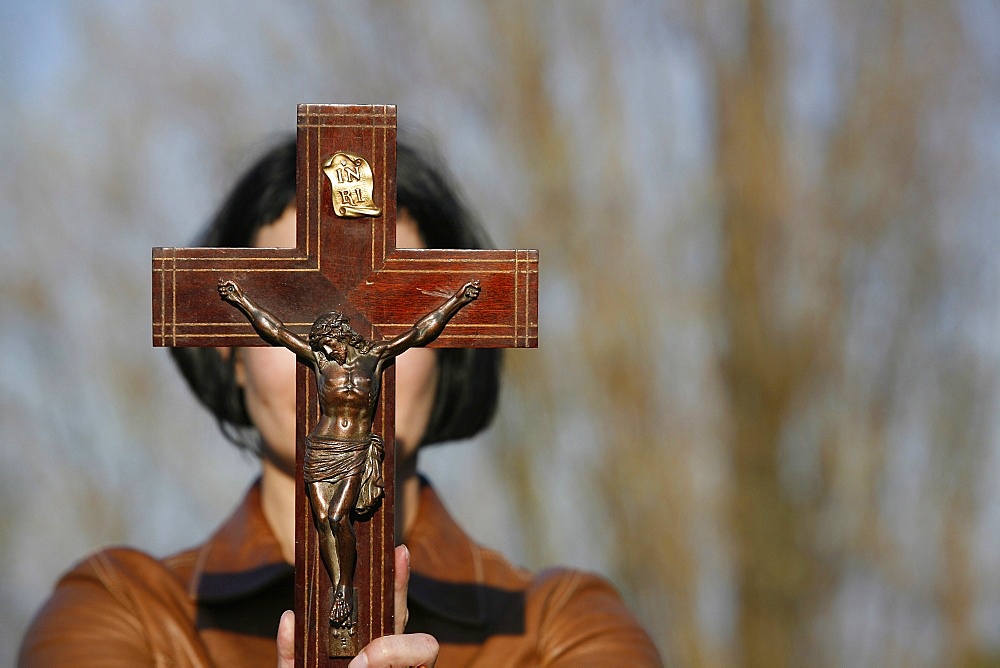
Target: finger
[(400, 584), (412, 649), (286, 640)]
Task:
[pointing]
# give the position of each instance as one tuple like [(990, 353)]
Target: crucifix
[(345, 262)]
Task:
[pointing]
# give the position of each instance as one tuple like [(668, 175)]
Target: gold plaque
[(353, 183)]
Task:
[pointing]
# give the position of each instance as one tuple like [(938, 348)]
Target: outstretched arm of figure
[(431, 325), (264, 322)]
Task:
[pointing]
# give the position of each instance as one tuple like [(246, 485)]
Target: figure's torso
[(348, 397)]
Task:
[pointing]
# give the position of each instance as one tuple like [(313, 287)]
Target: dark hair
[(469, 384)]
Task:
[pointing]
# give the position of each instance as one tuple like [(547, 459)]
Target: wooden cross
[(351, 265)]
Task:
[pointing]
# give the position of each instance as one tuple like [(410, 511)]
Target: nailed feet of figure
[(340, 613)]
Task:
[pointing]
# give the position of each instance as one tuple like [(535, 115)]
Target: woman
[(219, 603)]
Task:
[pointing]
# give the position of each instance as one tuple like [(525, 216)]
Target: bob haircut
[(469, 384)]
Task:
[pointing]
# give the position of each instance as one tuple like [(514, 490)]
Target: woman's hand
[(286, 640), (402, 649)]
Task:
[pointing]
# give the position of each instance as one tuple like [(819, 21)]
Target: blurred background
[(765, 398)]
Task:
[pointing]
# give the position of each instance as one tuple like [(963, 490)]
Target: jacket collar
[(241, 557), (442, 554)]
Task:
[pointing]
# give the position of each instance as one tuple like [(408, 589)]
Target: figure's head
[(331, 329), (467, 386)]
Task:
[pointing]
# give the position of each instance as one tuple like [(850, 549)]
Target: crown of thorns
[(335, 325)]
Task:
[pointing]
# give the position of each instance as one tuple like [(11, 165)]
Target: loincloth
[(330, 460)]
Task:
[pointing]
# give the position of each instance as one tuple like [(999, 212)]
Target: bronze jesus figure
[(342, 466)]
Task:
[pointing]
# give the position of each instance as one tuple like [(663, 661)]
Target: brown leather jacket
[(219, 604)]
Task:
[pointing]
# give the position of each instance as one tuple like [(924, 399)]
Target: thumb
[(286, 640), (400, 585)]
